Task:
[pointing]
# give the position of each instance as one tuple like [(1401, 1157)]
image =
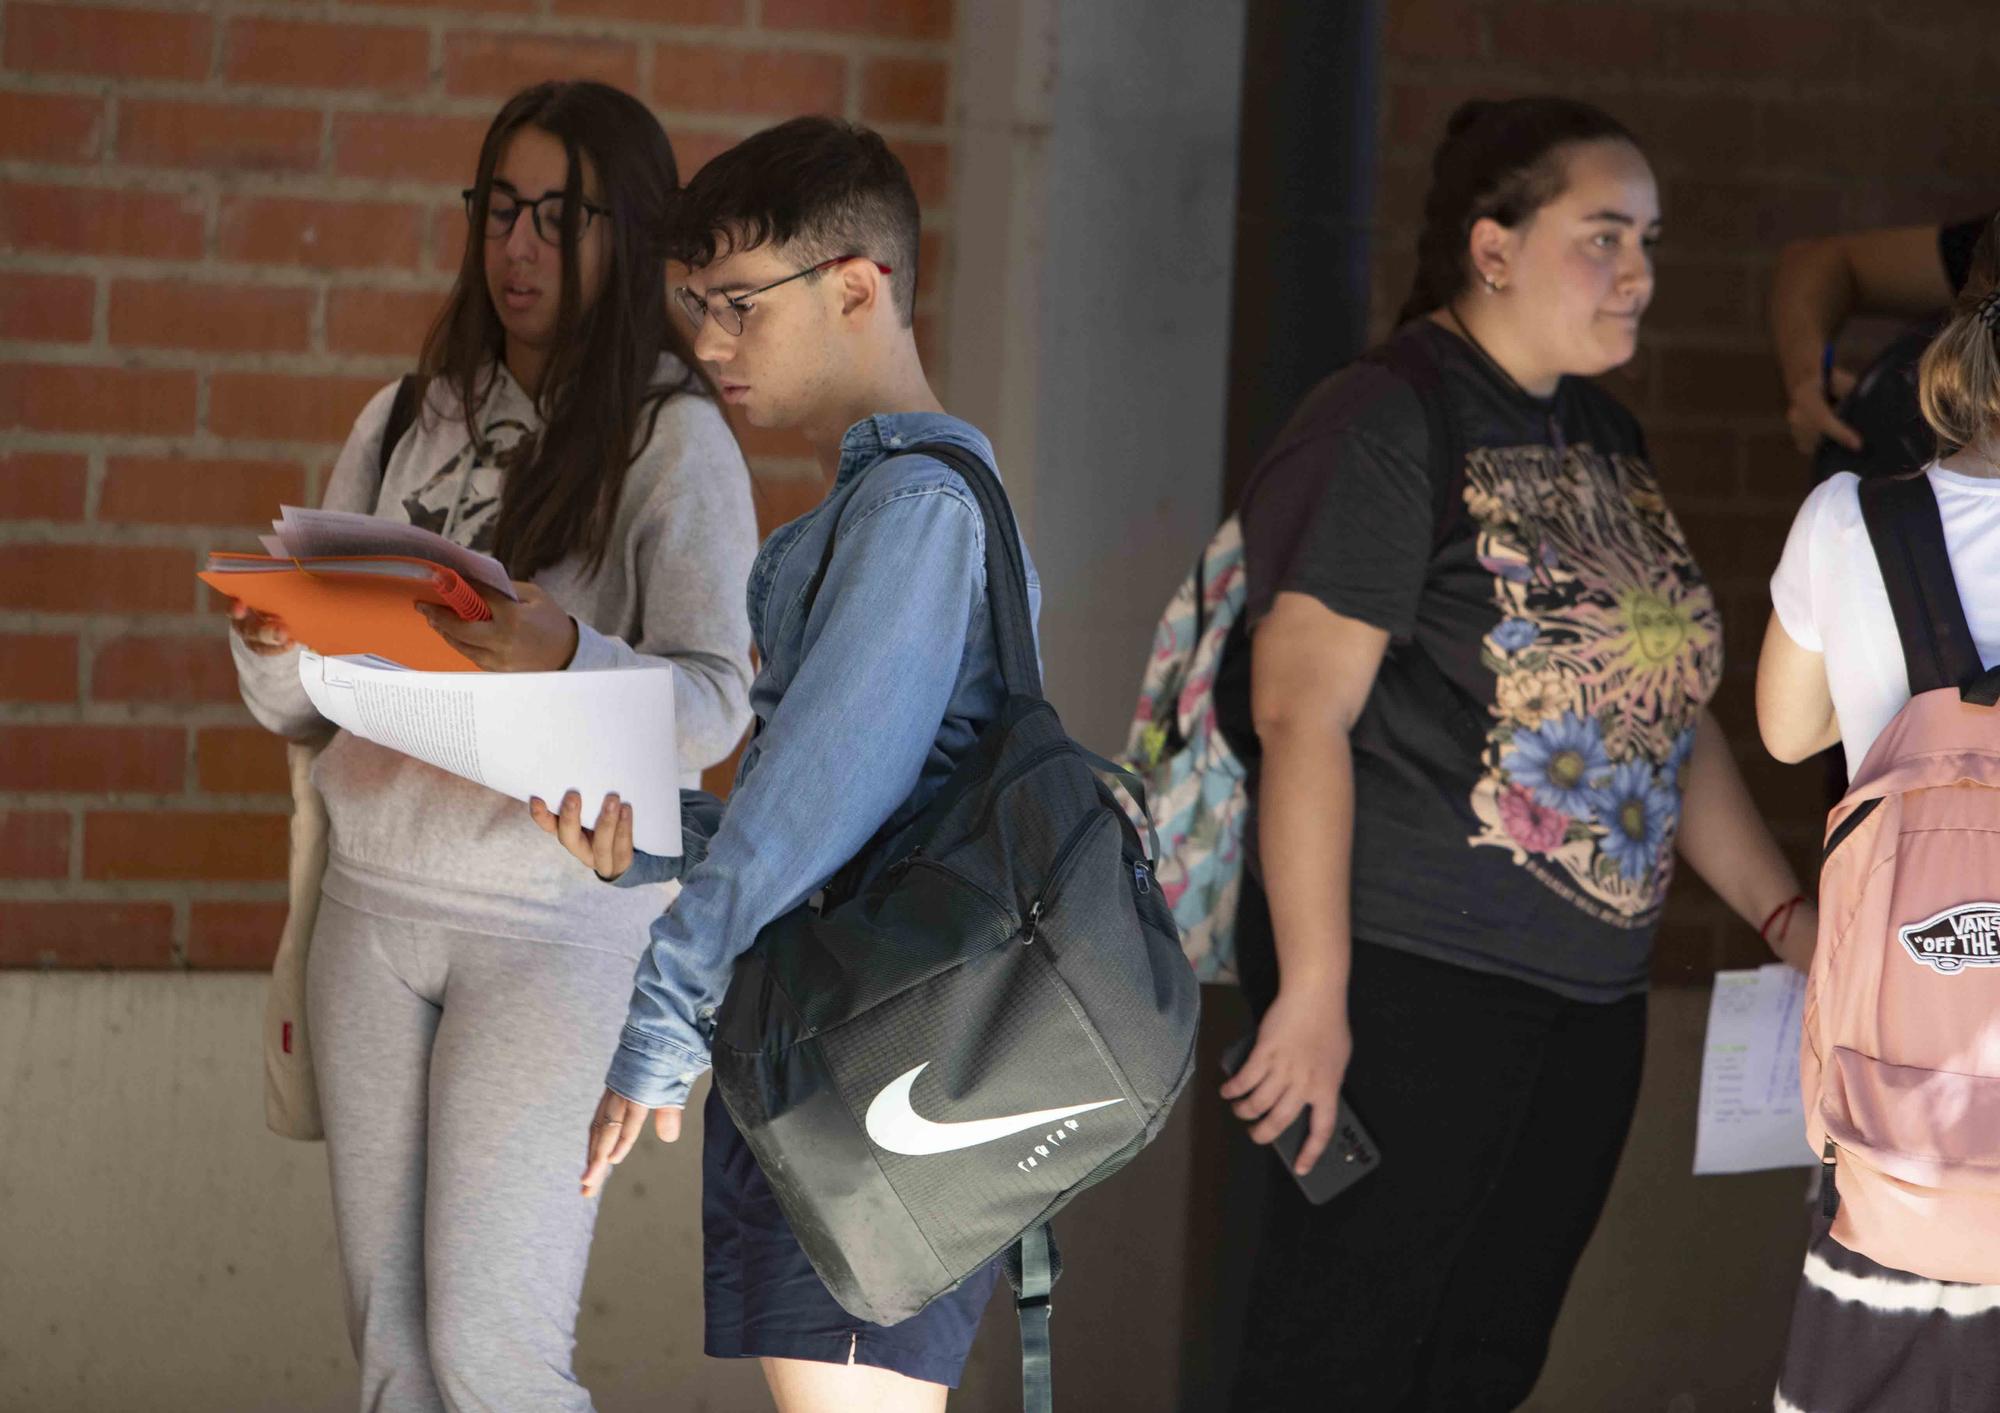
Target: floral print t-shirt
[(1560, 612)]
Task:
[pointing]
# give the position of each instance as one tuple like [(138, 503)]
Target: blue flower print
[(1560, 762), (1637, 814), (1513, 634), (1675, 764)]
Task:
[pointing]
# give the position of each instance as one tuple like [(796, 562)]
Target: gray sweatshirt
[(408, 840)]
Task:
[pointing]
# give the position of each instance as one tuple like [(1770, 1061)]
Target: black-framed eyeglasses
[(503, 209), (732, 307)]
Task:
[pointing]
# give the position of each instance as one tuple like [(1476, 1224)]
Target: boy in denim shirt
[(802, 247)]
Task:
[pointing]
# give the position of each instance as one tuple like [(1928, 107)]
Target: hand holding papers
[(343, 583), (522, 733), (1751, 1116)]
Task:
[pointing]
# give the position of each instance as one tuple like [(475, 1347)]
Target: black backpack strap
[(1033, 1264), (1904, 526), (1006, 571), (1409, 360), (402, 413)]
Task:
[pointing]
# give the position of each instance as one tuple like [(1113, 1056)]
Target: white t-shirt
[(1829, 595)]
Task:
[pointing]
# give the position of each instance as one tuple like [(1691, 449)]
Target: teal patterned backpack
[(1193, 777)]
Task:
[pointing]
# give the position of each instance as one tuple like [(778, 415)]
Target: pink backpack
[(1900, 1058)]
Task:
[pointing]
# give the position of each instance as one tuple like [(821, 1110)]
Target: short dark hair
[(1502, 160), (821, 186)]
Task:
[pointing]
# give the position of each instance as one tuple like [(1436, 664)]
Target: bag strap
[(1907, 532), (1134, 786), (1032, 1266), (1409, 360), (1006, 572), (402, 413)]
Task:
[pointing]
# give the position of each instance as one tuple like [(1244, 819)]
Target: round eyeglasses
[(728, 308), (504, 208)]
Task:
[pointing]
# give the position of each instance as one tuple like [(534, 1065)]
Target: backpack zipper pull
[(1829, 1195), (1140, 879), (1034, 917)]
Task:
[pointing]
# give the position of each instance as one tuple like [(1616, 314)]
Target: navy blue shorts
[(763, 1300)]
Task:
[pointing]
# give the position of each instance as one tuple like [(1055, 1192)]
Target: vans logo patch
[(1965, 935)]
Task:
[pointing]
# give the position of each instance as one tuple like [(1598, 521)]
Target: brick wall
[(222, 226), (1765, 122)]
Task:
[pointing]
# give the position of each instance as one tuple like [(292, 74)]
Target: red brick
[(42, 485), (131, 44), (499, 65), (1709, 295), (64, 398), (1684, 132), (472, 5), (904, 90), (694, 150), (34, 844), (241, 760), (286, 406), (405, 146), (51, 127), (166, 669), (178, 845), (676, 12), (49, 308), (234, 936), (184, 490), (1434, 29), (98, 759), (1416, 109), (96, 578), (1750, 216), (123, 935), (37, 667), (1817, 44), (215, 318), (718, 78), (321, 235), (302, 54), (78, 220), (379, 320), (929, 165), (245, 137), (1615, 37), (890, 19), (1694, 463)]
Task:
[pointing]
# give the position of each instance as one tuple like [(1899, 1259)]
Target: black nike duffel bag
[(986, 1013)]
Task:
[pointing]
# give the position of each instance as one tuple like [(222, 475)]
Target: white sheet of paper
[(305, 533), (1751, 1116), (522, 733)]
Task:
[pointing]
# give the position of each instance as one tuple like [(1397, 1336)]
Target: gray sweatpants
[(457, 1074)]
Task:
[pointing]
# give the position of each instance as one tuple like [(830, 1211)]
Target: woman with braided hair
[(1867, 1338)]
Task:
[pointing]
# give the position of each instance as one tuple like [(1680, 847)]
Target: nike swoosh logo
[(894, 1124)]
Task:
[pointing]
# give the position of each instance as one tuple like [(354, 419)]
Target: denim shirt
[(868, 703)]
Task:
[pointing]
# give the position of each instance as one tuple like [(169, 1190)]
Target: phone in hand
[(1349, 1156)]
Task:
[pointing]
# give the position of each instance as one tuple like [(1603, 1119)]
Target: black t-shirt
[(1564, 609)]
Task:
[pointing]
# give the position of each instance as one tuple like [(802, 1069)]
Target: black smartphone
[(1350, 1154)]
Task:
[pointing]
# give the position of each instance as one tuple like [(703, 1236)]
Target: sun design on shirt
[(1607, 646)]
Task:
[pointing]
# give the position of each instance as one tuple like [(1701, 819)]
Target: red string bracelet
[(1782, 914)]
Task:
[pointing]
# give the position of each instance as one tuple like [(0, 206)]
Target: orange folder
[(339, 606)]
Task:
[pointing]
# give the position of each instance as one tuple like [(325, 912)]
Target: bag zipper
[(1829, 1195), (1066, 856)]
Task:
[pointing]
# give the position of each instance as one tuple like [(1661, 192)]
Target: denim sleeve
[(842, 750), (701, 812)]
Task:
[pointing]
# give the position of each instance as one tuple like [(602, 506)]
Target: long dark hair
[(1499, 160), (599, 389)]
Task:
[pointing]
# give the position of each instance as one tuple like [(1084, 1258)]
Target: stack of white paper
[(522, 733), (1751, 1115), (306, 534)]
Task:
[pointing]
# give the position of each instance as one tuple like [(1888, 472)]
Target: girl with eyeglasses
[(465, 989)]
